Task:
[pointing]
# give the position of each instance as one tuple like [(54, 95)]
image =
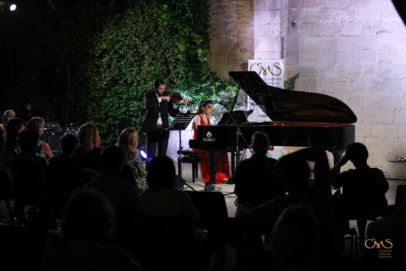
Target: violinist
[(159, 105)]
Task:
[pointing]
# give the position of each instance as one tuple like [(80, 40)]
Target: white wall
[(355, 51)]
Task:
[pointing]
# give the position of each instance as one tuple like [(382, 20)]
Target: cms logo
[(373, 243)]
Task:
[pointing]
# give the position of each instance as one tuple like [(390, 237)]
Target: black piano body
[(298, 119), (334, 137)]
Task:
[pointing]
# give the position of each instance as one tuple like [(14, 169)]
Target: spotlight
[(142, 148), (13, 7), (143, 155)]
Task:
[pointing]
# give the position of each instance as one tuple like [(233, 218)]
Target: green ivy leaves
[(148, 41)]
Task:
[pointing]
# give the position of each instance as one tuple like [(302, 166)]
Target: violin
[(175, 97)]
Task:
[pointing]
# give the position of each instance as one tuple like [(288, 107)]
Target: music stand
[(181, 121)]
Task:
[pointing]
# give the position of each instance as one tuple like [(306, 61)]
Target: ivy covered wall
[(153, 39)]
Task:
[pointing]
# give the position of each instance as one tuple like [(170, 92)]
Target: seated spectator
[(6, 180), (254, 180), (64, 175), (13, 129), (161, 198), (294, 240), (122, 195), (363, 188), (28, 171), (128, 142), (5, 159), (311, 189), (168, 219), (88, 221), (8, 115), (88, 154), (37, 125)]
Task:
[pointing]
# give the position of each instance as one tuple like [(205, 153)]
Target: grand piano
[(298, 119)]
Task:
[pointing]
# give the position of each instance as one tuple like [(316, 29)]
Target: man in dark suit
[(156, 125)]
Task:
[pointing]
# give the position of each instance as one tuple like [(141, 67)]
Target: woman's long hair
[(202, 104), (35, 123), (89, 136), (128, 142)]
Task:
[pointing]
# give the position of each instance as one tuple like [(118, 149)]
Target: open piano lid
[(295, 106)]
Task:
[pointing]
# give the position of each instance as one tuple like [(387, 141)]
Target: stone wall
[(231, 35), (352, 50)]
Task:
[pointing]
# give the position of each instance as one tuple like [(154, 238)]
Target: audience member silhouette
[(294, 240), (13, 129), (6, 181), (168, 219), (29, 175), (89, 220), (8, 115), (64, 175), (122, 195), (128, 142), (363, 188), (223, 259), (301, 187), (253, 178), (162, 199), (88, 154), (5, 158), (37, 124), (294, 173)]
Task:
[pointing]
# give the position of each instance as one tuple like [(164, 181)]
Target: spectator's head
[(357, 153), (89, 136), (112, 159), (28, 141), (294, 239), (69, 143), (260, 143), (14, 127), (37, 124), (128, 141), (8, 115), (161, 173), (88, 216)]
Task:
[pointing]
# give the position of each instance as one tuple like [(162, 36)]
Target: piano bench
[(190, 158)]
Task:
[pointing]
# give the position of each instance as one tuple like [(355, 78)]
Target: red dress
[(222, 168)]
